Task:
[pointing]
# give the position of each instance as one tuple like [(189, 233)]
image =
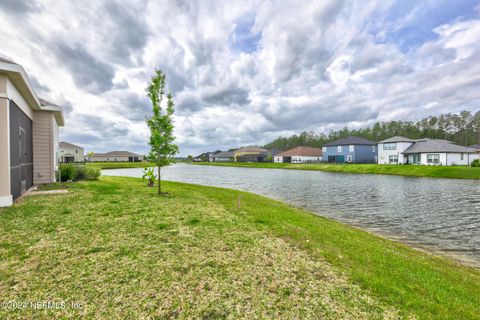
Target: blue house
[(350, 150)]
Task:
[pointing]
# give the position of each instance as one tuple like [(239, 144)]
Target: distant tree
[(162, 146), (190, 158)]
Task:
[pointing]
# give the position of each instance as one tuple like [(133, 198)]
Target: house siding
[(43, 147), (384, 155), (360, 153), (5, 191)]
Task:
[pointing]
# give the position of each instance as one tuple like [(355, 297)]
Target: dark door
[(287, 159), (340, 159), (68, 159), (21, 155), (130, 159)]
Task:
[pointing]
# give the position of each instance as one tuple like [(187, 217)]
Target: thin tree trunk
[(159, 182)]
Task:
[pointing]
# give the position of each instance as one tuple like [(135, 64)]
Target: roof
[(116, 154), (17, 75), (64, 144), (225, 154), (437, 145), (301, 151), (475, 146), (251, 149), (349, 141), (397, 139)]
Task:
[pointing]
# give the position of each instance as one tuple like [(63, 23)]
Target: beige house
[(250, 154), (115, 156), (68, 152), (28, 134)]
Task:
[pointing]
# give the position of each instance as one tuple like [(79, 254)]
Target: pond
[(442, 215)]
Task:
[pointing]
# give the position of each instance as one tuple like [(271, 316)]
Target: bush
[(71, 172), (81, 172), (476, 163), (92, 173)]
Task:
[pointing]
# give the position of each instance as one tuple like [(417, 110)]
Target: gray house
[(226, 156), (350, 150)]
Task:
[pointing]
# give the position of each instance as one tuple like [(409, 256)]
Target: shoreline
[(441, 172)]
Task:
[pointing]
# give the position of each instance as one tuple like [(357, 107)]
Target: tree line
[(462, 128)]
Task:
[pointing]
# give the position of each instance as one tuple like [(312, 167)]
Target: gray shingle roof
[(349, 141), (397, 139), (475, 146), (225, 154), (436, 145), (116, 154), (251, 149), (64, 144)]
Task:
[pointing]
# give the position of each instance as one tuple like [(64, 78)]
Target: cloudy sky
[(244, 72)]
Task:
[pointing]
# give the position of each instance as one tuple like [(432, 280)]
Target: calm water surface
[(436, 214)]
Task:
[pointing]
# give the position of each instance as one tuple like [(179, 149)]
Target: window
[(324, 149), (461, 156), (393, 159), (351, 148), (373, 148), (433, 158), (349, 158), (339, 149), (390, 146), (76, 151)]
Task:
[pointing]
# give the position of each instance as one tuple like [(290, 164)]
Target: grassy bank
[(119, 251), (452, 172), (120, 165)]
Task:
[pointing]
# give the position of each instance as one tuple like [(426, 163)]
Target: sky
[(244, 72)]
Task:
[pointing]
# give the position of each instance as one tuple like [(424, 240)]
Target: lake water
[(436, 214)]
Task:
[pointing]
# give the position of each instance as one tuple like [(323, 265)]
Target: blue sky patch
[(243, 38)]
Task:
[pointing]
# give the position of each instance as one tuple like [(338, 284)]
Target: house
[(439, 152), (476, 147), (299, 155), (226, 156), (115, 156), (70, 153), (250, 154), (28, 134), (350, 150), (390, 151)]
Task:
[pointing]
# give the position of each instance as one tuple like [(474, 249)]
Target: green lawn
[(119, 251), (120, 165), (453, 172)]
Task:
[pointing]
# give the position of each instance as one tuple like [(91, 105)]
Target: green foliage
[(71, 172), (162, 146), (68, 171), (92, 173), (149, 174), (463, 128), (476, 163)]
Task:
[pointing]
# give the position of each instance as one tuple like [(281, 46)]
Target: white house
[(439, 152), (400, 150), (115, 156), (28, 134), (299, 155), (68, 152), (390, 151)]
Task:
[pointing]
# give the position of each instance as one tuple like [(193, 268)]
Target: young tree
[(162, 146)]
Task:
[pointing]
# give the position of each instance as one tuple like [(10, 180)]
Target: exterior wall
[(111, 159), (305, 159), (384, 155), (366, 154), (360, 153), (44, 160), (449, 159), (77, 153), (5, 192), (223, 159)]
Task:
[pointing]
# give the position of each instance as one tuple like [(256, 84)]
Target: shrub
[(81, 172), (476, 163), (92, 173), (68, 172)]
